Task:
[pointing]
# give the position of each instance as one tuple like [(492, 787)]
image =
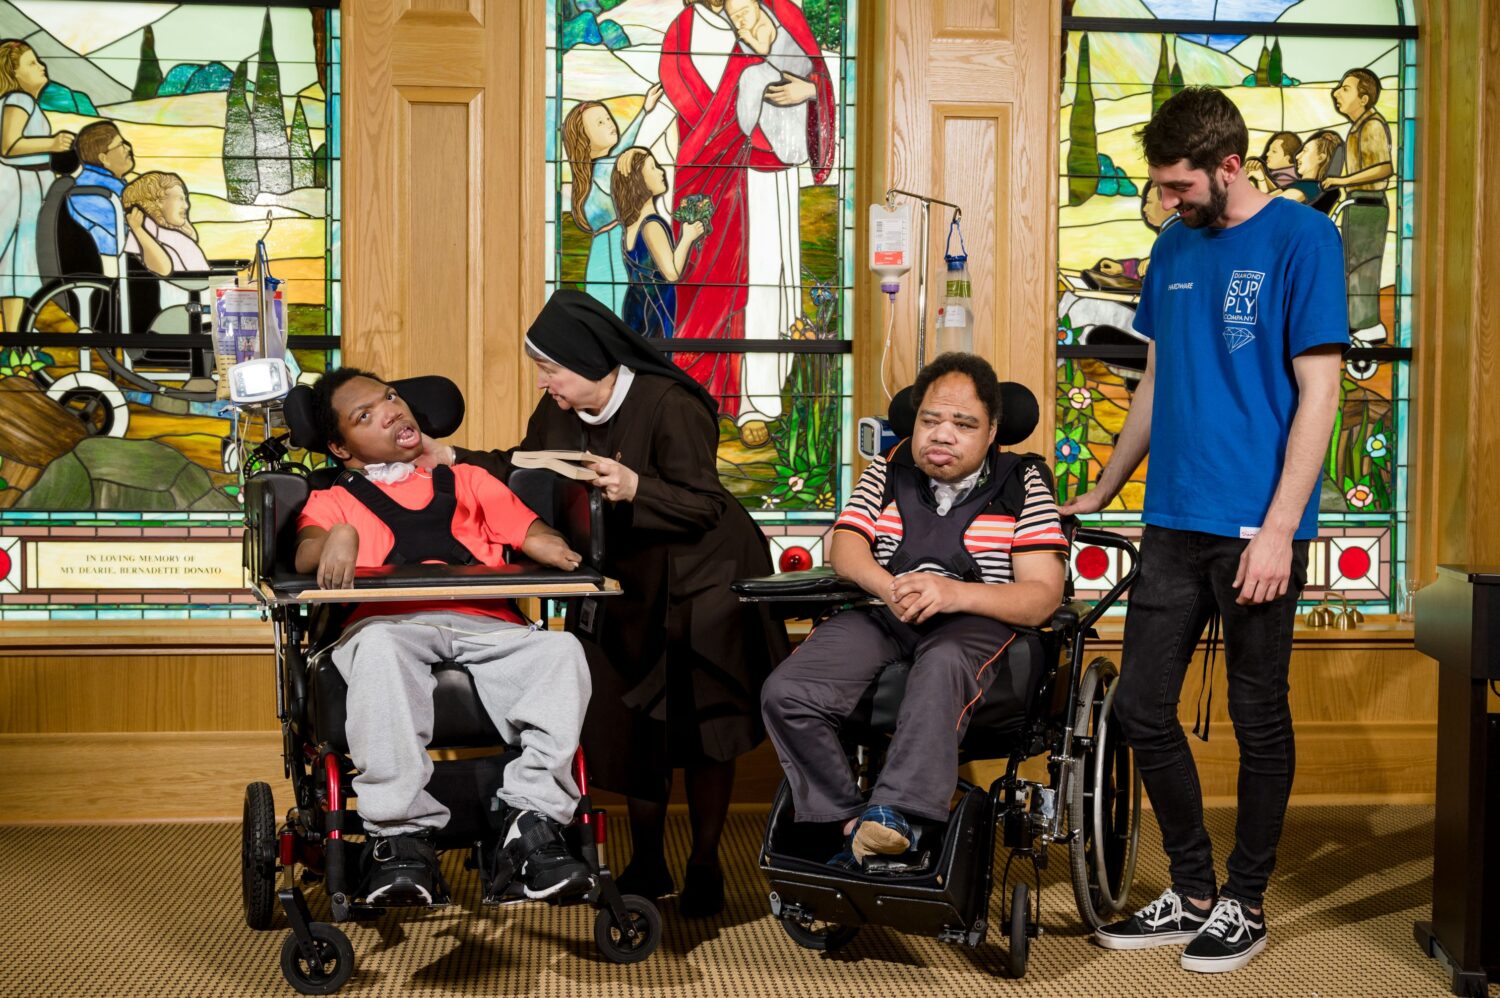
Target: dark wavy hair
[(972, 366), (325, 417), (1198, 124)]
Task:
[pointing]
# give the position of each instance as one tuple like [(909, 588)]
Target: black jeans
[(1186, 577)]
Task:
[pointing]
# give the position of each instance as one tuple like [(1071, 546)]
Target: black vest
[(927, 537), (424, 534)]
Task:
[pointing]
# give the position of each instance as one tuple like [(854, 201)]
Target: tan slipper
[(872, 838)]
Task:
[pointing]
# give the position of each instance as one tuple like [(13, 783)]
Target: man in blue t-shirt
[(1244, 307)]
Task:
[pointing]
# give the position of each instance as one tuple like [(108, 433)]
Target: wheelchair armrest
[(792, 595), (814, 582), (572, 508), (1068, 616), (272, 501)]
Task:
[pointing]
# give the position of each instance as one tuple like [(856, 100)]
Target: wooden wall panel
[(444, 276), (443, 127), (1455, 441), (964, 101), (971, 152), (967, 18), (51, 694)]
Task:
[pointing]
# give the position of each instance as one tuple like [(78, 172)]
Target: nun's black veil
[(577, 331)]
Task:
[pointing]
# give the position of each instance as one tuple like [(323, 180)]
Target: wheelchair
[(114, 297), (1090, 801), (311, 844)]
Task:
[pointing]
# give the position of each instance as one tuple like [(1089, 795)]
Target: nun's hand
[(616, 481), (434, 454)]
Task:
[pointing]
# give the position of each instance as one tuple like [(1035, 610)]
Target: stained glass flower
[(1071, 450), (1376, 446), (1360, 496), (1080, 398)]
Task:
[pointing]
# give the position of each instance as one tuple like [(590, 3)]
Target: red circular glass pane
[(1092, 563), (795, 559), (1354, 563), (4, 564)]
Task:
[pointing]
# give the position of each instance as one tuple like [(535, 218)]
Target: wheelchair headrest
[(1018, 413), (435, 401)]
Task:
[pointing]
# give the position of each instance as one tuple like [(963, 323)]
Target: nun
[(677, 662)]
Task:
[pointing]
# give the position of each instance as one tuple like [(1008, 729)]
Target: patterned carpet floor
[(154, 910)]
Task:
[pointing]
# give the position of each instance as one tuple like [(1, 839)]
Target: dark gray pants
[(809, 695)]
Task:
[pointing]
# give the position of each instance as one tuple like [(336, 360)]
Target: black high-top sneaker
[(402, 870), (543, 863)]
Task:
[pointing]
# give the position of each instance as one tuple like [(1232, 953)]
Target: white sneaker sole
[(400, 894), (1222, 965), (1145, 942), (560, 887)]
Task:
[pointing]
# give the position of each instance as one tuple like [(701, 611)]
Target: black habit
[(679, 662)]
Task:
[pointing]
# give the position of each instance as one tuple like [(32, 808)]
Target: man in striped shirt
[(958, 540)]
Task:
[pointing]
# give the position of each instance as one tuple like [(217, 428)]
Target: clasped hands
[(917, 597)]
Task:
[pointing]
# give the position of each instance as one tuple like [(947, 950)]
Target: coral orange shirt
[(489, 520)]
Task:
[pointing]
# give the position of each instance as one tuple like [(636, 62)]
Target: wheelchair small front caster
[(1020, 939), (825, 937), (634, 940), (332, 968)]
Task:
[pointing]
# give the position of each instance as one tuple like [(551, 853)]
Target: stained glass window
[(163, 142), (1327, 88), (700, 183)]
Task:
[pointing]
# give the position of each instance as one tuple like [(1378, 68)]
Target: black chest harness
[(424, 534), (926, 537)]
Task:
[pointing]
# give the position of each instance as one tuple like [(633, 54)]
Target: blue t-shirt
[(1228, 309)]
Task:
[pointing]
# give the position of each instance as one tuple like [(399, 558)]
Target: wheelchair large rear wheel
[(1104, 802), (258, 856)]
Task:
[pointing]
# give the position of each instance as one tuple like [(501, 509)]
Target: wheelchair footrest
[(905, 865)]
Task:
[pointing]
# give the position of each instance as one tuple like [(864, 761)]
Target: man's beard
[(1209, 212)]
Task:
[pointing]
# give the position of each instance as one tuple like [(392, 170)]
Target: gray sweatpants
[(533, 684), (956, 662)]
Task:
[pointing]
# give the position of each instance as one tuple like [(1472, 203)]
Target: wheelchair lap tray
[(813, 584), (435, 582)]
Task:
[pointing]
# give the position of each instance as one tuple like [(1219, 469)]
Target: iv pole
[(927, 203)]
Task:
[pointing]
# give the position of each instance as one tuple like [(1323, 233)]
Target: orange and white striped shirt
[(993, 538)]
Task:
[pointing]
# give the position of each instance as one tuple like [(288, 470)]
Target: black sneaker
[(402, 870), (1230, 940), (1169, 920), (543, 863)]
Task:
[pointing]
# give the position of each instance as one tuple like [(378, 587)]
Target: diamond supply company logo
[(1243, 296)]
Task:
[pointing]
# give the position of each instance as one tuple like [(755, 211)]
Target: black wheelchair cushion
[(459, 720)]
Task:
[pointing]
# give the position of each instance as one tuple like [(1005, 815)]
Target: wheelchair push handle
[(1109, 539)]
